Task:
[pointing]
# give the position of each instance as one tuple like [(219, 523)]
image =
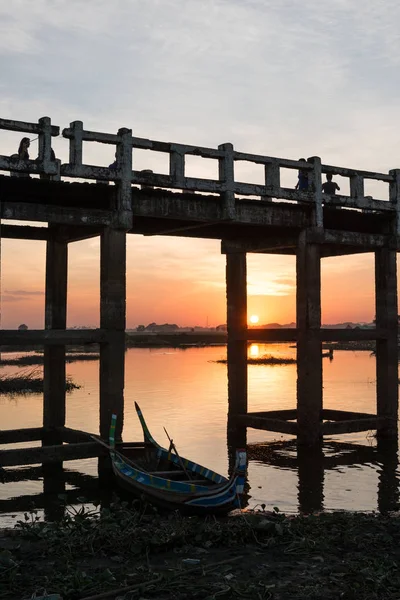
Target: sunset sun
[(254, 319)]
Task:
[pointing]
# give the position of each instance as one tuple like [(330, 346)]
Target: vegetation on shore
[(366, 345), (267, 359), (38, 359), (130, 554), (28, 382)]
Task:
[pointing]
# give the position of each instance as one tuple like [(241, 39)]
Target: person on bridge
[(23, 148), (330, 187), (302, 184), (22, 155)]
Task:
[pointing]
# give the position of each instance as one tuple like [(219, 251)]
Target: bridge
[(79, 201)]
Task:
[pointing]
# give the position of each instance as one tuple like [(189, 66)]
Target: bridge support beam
[(236, 295), (309, 347), (55, 318), (112, 319), (387, 385)]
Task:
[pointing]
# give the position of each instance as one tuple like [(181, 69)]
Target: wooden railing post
[(124, 167), (45, 141), (394, 196), (315, 184), (356, 186), (273, 176), (76, 144), (177, 167), (226, 177), (45, 151)]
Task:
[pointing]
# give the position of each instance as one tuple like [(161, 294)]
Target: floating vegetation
[(123, 552), (28, 382), (38, 359), (267, 359)]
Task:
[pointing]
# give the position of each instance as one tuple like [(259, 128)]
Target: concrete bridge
[(246, 217)]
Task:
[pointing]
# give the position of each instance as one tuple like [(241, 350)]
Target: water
[(185, 391)]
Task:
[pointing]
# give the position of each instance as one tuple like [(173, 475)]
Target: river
[(186, 391)]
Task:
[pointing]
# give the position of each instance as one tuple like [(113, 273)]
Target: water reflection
[(311, 466), (254, 351), (60, 485), (187, 393)]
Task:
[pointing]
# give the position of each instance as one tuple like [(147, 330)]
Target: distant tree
[(23, 327), (140, 328)]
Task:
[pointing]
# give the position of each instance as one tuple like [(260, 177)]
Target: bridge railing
[(227, 186), (43, 165)]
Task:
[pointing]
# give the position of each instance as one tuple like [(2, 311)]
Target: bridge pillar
[(309, 347), (387, 385), (112, 320), (236, 295), (55, 318)]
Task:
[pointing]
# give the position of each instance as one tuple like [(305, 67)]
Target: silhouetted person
[(302, 184), (22, 155), (114, 165), (23, 148), (330, 187)]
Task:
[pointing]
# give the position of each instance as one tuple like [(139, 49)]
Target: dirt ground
[(127, 554)]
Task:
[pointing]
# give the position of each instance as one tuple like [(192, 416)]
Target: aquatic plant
[(28, 382)]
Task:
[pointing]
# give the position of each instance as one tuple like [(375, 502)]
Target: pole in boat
[(172, 445)]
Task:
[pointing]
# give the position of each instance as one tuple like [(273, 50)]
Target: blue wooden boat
[(163, 478)]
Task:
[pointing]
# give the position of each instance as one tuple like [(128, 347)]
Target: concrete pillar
[(236, 296), (54, 483), (309, 347), (386, 349), (388, 485), (236, 438), (310, 468), (55, 318), (112, 319)]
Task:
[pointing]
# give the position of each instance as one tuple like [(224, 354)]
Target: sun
[(254, 319)]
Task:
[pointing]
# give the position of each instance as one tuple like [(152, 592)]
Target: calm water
[(186, 391)]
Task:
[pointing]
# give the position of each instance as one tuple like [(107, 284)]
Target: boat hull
[(172, 501), (181, 484)]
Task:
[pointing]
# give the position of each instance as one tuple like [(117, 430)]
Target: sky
[(276, 77)]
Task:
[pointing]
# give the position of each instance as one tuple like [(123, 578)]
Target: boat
[(162, 477)]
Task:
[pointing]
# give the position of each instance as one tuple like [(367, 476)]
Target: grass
[(38, 359), (28, 382), (123, 552), (264, 360)]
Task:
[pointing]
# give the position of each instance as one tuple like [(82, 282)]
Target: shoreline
[(128, 553), (185, 340)]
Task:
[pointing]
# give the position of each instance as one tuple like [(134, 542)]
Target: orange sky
[(179, 281), (273, 78)]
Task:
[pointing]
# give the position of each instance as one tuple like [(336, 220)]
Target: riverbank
[(38, 359), (127, 554), (182, 340)]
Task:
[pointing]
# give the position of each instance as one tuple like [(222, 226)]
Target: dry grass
[(267, 359), (28, 382)]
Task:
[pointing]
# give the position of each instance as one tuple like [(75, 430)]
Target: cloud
[(10, 298), (24, 292)]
